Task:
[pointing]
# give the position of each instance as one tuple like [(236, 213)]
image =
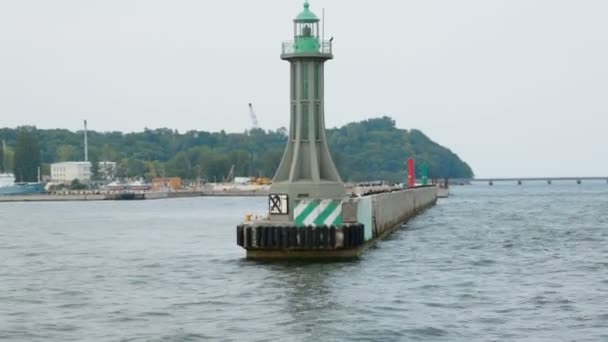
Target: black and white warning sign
[(279, 204)]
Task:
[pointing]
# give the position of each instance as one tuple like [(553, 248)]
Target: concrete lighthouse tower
[(310, 215), (307, 171)]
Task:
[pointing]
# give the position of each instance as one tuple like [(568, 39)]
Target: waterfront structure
[(67, 172), (6, 179), (548, 180), (242, 180), (310, 214), (307, 171), (8, 186)]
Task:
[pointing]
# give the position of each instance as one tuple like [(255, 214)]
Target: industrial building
[(67, 172)]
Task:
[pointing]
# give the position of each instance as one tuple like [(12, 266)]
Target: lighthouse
[(307, 172), (311, 216)]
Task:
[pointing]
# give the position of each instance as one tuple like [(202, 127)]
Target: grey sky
[(516, 88)]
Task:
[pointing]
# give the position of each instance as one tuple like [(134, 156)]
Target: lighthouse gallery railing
[(289, 47)]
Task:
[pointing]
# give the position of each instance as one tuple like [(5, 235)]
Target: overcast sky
[(514, 87)]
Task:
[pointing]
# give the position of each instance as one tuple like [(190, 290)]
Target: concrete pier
[(365, 221)]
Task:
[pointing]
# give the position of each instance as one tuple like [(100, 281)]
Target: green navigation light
[(307, 31)]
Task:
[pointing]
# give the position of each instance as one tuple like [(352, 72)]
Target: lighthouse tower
[(310, 215), (307, 171)]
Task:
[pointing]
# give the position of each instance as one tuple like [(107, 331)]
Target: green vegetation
[(95, 172), (67, 153), (369, 150), (77, 185), (376, 150), (27, 155), (9, 160), (2, 168)]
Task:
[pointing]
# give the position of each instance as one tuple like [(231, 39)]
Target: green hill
[(376, 149), (369, 150)]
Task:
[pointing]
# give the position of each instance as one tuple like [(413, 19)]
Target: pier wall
[(381, 213), (366, 220), (392, 209)]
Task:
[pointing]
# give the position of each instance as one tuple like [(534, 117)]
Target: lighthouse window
[(317, 77), (305, 121), (304, 81), (307, 31)]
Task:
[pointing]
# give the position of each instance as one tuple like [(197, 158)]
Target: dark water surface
[(501, 263)]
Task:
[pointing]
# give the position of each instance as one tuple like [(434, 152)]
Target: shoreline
[(128, 196)]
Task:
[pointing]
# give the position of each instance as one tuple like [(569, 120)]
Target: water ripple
[(491, 263)]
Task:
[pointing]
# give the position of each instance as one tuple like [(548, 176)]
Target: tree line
[(24, 161), (373, 149)]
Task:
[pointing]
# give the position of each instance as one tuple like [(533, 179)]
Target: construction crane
[(254, 119)]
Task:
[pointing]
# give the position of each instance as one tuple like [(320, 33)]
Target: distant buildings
[(67, 172), (242, 180)]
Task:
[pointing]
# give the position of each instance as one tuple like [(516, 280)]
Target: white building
[(66, 172), (242, 180)]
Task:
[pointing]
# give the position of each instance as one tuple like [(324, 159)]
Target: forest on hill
[(373, 149)]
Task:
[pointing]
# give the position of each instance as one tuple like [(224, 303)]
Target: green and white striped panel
[(318, 213)]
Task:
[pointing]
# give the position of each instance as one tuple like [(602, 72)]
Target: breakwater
[(360, 222)]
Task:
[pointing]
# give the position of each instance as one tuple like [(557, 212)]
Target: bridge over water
[(549, 180)]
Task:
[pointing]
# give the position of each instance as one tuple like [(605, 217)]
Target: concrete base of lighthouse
[(337, 255), (311, 215), (367, 220), (264, 240), (302, 190)]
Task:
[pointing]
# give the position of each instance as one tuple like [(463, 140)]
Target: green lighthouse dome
[(306, 16)]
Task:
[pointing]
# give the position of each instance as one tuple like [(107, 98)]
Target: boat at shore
[(8, 186)]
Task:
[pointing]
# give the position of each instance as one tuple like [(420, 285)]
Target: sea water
[(502, 263)]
